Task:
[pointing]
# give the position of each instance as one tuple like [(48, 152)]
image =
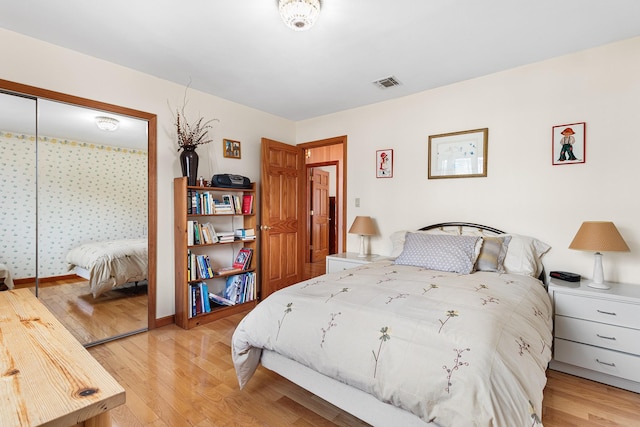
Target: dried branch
[(192, 134)]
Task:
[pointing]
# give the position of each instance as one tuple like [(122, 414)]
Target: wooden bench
[(46, 376)]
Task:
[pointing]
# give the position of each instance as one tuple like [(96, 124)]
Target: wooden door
[(333, 226), (282, 216), (319, 215)]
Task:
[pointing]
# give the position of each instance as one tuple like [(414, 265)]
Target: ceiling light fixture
[(299, 15), (107, 123)]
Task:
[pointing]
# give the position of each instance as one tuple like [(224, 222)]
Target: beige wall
[(523, 192), (32, 62)]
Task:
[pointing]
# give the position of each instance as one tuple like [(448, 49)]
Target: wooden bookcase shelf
[(216, 284)]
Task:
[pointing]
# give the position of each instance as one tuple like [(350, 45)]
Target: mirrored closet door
[(75, 213)]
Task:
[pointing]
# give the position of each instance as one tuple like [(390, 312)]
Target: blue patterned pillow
[(440, 252)]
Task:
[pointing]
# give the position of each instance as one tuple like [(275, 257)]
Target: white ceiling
[(241, 51), (63, 121)]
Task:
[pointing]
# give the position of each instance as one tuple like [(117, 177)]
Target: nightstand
[(343, 261), (597, 332)]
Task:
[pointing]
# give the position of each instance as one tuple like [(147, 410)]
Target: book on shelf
[(247, 204), (197, 237), (200, 234), (240, 288), (209, 233), (245, 234), (237, 204), (204, 291), (198, 267), (201, 270), (196, 300), (219, 299), (243, 258), (207, 264), (206, 237), (226, 270), (190, 233), (226, 236), (222, 206), (233, 288)]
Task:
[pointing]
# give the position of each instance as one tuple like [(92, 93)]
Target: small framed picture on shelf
[(384, 163), (231, 148), (568, 143)]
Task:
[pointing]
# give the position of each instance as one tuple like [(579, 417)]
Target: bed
[(109, 264), (6, 281), (453, 329)]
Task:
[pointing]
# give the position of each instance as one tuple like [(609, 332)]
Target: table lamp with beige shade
[(364, 226), (598, 236)]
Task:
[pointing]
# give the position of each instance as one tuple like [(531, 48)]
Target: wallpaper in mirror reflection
[(92, 189)]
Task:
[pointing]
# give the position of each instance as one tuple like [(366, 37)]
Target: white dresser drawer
[(599, 334), (610, 362), (598, 310)]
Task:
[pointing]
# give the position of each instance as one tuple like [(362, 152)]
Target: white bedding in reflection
[(111, 263)]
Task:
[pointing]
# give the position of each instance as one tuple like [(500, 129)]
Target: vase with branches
[(190, 135)]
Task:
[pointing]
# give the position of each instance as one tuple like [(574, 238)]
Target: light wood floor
[(92, 319), (175, 377), (313, 269)]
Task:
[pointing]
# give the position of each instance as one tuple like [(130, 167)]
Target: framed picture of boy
[(568, 143)]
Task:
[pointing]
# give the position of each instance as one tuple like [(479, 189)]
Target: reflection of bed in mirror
[(110, 264), (92, 185), (6, 282)]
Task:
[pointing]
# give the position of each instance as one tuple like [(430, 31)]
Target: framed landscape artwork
[(458, 154)]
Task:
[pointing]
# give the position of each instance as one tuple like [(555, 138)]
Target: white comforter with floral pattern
[(456, 350)]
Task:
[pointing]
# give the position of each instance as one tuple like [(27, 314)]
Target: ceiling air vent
[(387, 82)]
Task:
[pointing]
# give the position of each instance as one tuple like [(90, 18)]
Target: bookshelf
[(193, 207)]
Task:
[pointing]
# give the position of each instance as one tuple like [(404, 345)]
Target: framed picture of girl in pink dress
[(568, 143), (384, 163)]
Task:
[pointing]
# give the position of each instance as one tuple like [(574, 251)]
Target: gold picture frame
[(458, 154), (231, 149)]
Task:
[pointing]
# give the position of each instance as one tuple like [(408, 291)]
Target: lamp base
[(598, 285), (362, 254)]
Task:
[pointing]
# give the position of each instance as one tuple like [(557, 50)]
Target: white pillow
[(524, 255)]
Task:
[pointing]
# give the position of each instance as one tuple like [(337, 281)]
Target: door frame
[(341, 195)]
